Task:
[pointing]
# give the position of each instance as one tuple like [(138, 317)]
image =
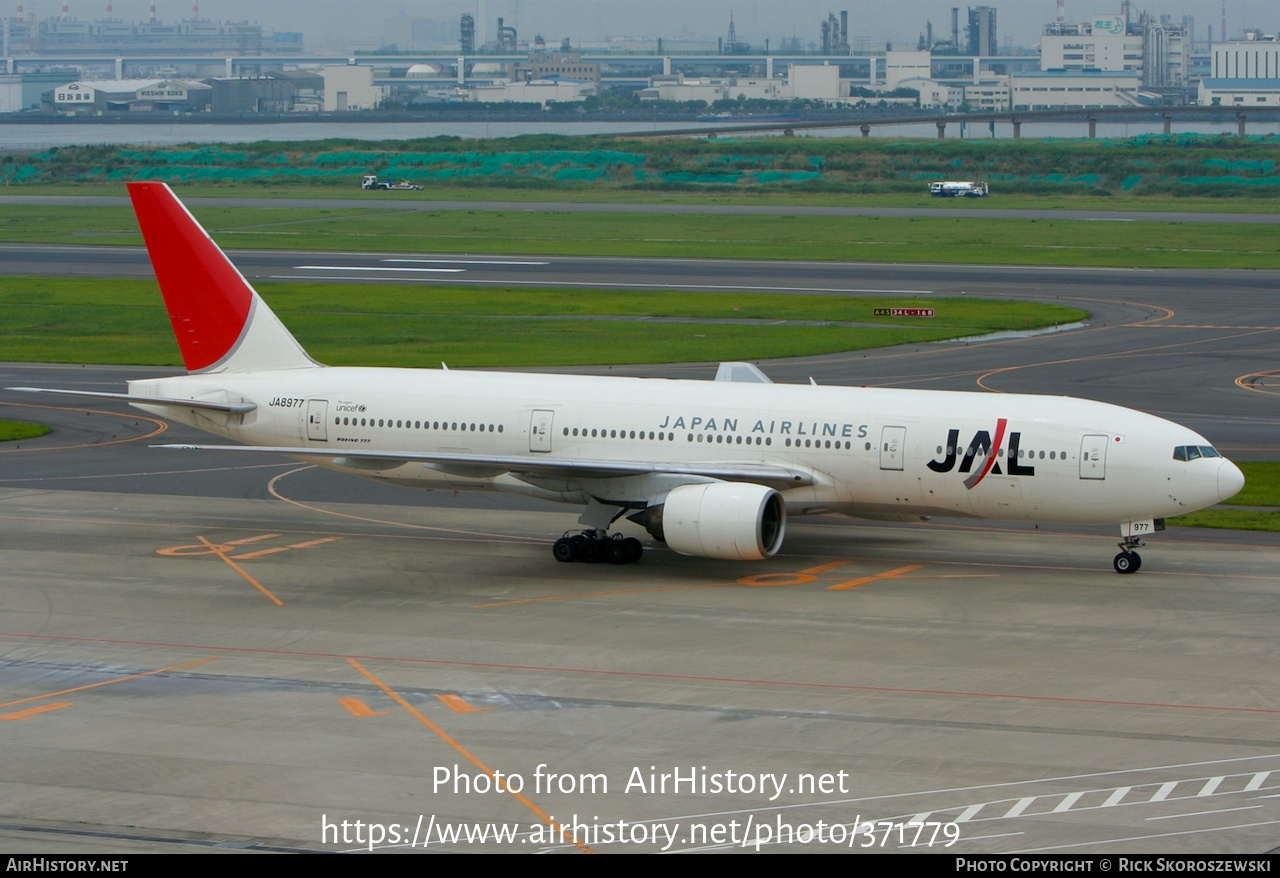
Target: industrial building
[(538, 91), (350, 87), (278, 92), (1086, 89), (26, 91), (132, 95), (803, 81), (1100, 44), (1255, 57), (565, 64), (1242, 93), (1245, 73), (1158, 51)]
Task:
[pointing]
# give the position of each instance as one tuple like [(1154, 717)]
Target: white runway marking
[(466, 261), (374, 268)]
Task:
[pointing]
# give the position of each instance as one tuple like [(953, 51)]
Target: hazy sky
[(331, 22)]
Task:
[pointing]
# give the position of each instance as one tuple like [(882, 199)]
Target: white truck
[(958, 189), (371, 181)]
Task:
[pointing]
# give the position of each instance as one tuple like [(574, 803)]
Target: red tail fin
[(211, 305)]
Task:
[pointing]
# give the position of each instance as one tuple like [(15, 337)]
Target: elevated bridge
[(1014, 117)]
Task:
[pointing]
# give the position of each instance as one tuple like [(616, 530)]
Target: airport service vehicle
[(713, 468), (371, 181), (958, 189)]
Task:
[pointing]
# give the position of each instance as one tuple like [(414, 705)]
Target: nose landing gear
[(1128, 561)]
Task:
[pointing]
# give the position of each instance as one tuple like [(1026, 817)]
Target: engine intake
[(730, 520)]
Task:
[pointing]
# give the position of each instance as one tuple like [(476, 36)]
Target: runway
[(208, 652)]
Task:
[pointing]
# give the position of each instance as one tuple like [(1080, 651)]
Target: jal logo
[(980, 449)]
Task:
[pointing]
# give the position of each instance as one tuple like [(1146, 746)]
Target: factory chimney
[(844, 30), (153, 11), (955, 27)]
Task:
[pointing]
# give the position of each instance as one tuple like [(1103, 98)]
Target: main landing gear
[(1128, 561), (594, 547)]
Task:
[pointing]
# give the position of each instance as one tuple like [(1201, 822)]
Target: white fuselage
[(877, 452)]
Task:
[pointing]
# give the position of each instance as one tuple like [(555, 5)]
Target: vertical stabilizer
[(221, 323)]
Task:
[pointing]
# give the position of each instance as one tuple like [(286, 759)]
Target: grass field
[(124, 322), (14, 430), (549, 165), (852, 239)]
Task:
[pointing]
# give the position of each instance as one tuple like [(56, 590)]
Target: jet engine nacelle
[(730, 520)]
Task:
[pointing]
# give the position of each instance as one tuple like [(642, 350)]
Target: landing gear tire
[(614, 552), (591, 551), (565, 550), (622, 551), (1127, 562)]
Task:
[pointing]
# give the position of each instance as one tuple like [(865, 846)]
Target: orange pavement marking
[(1257, 386), (770, 579), (445, 736), (823, 568), (32, 711), (358, 708), (221, 553), (307, 545), (458, 704), (177, 551), (888, 574), (109, 682)]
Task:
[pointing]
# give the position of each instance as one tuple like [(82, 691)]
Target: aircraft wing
[(488, 465)]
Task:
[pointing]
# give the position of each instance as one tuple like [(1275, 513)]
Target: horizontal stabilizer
[(741, 373), (231, 408)]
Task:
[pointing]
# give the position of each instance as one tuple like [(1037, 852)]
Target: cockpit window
[(1194, 452)]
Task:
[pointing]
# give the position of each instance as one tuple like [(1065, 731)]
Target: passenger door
[(1093, 456)]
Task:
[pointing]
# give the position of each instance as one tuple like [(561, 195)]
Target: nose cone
[(1230, 480)]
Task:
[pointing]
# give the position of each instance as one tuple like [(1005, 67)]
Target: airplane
[(712, 468)]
